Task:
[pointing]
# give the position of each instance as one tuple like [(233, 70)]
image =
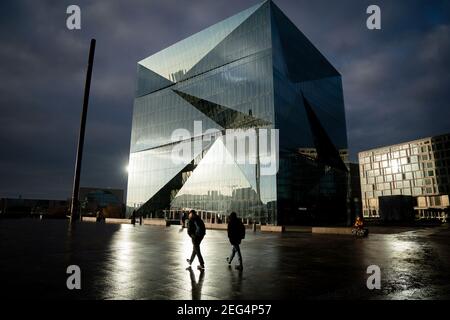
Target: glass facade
[(254, 73), (417, 168), (312, 180)]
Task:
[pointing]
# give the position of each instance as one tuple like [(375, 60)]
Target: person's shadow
[(196, 286), (236, 283)]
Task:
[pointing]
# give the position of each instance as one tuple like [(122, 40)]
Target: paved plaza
[(149, 262)]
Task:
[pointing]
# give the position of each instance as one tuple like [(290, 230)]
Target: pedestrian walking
[(196, 230), (236, 232)]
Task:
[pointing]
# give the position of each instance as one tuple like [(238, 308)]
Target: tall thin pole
[(74, 207)]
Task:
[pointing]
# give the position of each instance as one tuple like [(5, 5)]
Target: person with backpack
[(196, 230), (236, 232)]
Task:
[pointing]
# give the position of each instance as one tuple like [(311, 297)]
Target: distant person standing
[(184, 217), (99, 215), (133, 217), (196, 230), (236, 232)]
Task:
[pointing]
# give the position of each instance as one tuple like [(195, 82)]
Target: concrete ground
[(147, 262)]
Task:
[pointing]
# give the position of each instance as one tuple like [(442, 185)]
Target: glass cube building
[(417, 169), (256, 78)]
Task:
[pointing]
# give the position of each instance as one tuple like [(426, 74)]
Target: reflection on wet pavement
[(143, 262), (196, 285)]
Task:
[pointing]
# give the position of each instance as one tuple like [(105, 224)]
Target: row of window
[(439, 149), (388, 154), (422, 201), (397, 177), (417, 191), (398, 184), (426, 168)]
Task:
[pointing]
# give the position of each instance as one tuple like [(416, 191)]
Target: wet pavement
[(146, 262)]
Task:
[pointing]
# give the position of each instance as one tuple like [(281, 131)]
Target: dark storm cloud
[(395, 80)]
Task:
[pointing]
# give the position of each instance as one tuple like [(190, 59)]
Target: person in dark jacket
[(184, 217), (236, 232), (133, 217), (196, 230)]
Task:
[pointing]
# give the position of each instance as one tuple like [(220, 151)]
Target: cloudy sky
[(396, 80)]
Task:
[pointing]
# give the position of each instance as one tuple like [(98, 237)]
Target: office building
[(418, 169), (257, 74)]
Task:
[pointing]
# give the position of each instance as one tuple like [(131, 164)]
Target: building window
[(406, 192), (417, 191)]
